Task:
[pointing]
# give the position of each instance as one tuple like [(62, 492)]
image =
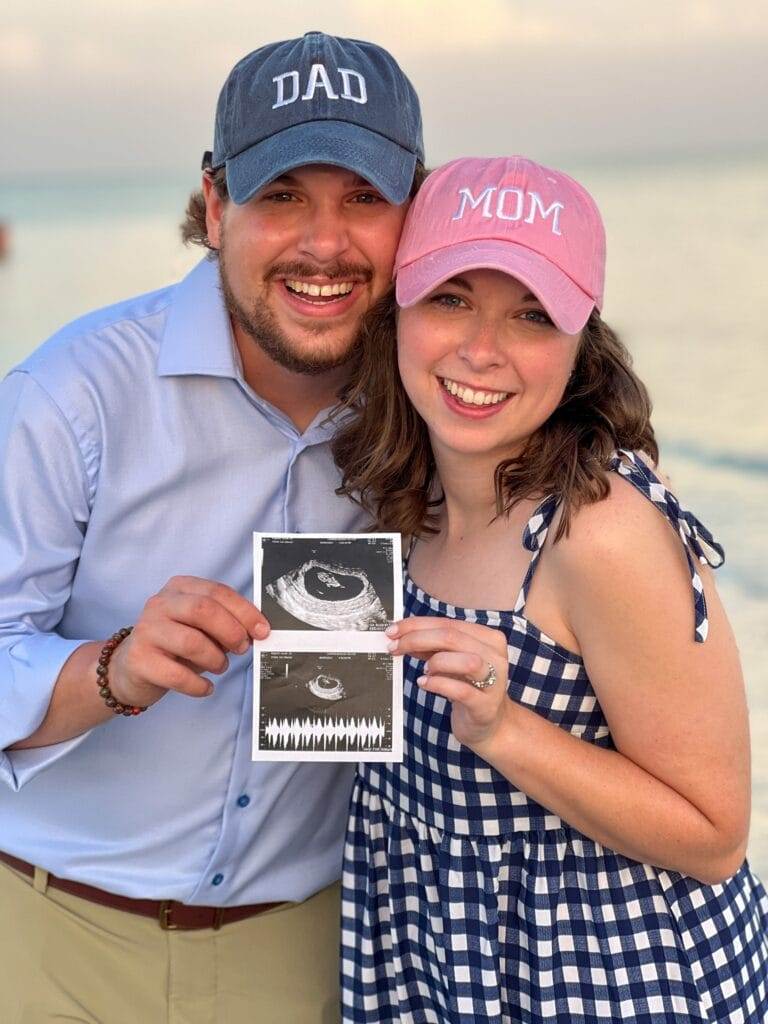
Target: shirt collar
[(198, 339), (198, 336)]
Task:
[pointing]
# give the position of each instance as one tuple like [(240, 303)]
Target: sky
[(107, 86)]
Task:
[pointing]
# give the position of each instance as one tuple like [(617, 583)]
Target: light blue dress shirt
[(132, 450)]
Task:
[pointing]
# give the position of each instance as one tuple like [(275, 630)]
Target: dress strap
[(698, 542), (534, 535)]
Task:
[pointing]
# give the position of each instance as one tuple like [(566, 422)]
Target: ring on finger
[(488, 680)]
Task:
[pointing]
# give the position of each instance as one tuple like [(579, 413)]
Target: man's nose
[(325, 236)]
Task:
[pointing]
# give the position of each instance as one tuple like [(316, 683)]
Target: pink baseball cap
[(509, 214)]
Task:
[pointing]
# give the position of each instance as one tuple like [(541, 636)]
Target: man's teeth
[(474, 397), (343, 288)]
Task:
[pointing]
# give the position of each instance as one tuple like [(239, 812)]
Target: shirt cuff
[(29, 668), (18, 767)]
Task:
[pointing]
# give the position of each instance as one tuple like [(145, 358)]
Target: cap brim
[(567, 304), (382, 163)]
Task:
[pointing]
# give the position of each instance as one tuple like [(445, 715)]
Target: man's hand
[(184, 630)]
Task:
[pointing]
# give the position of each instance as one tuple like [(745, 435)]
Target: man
[(150, 871)]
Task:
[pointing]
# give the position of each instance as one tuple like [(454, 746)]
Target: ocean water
[(688, 247)]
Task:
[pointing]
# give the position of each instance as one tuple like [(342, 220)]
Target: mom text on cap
[(510, 205)]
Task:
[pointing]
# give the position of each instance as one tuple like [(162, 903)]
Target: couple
[(565, 838)]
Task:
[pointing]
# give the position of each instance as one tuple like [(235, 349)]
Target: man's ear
[(214, 211)]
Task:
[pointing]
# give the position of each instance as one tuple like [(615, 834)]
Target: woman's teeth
[(302, 288), (471, 396)]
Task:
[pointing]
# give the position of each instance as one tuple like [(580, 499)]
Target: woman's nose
[(481, 348)]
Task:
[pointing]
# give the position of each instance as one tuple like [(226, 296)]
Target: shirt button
[(244, 800), (217, 879)]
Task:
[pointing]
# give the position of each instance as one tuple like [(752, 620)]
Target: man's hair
[(385, 457), (193, 227)]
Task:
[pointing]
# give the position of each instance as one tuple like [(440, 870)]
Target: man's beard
[(259, 323)]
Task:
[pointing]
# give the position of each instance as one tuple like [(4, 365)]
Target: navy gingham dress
[(466, 901)]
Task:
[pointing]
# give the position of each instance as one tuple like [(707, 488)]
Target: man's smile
[(320, 297), (314, 290)]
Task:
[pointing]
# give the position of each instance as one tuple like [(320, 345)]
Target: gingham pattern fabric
[(464, 901), (697, 541)]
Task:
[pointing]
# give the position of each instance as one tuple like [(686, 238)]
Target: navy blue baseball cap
[(318, 100)]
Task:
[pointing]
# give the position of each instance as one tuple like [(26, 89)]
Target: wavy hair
[(385, 457), (194, 230)]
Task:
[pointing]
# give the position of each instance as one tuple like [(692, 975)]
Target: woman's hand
[(455, 653)]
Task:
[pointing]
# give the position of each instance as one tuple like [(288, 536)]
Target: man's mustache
[(335, 272)]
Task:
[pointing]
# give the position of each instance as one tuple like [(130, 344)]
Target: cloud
[(434, 27), (21, 52), (136, 84), (453, 26)]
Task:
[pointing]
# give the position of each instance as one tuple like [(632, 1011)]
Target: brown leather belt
[(169, 914)]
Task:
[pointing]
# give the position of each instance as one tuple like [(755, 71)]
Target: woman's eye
[(279, 197), (536, 316), (368, 198), (448, 301)]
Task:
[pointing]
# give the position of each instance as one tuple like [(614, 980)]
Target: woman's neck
[(476, 559), (467, 483)]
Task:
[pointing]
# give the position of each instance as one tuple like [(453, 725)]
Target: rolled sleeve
[(43, 514), (30, 668)]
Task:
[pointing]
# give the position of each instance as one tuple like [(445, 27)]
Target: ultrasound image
[(327, 584), (327, 702)]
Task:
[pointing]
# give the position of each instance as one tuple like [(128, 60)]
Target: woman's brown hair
[(386, 460)]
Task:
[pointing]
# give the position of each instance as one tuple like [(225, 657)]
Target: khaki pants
[(66, 959)]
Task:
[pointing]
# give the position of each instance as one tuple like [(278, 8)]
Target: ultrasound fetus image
[(327, 584)]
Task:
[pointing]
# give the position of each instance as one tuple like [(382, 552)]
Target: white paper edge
[(316, 641)]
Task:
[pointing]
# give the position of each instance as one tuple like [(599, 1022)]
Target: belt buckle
[(164, 916), (165, 921)]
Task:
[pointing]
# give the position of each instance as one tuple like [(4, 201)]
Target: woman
[(565, 837)]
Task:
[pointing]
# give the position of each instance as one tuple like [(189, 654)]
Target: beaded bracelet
[(102, 670)]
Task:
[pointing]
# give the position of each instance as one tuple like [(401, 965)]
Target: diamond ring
[(489, 680)]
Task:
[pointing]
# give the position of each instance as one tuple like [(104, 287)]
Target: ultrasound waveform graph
[(348, 734), (325, 703)]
